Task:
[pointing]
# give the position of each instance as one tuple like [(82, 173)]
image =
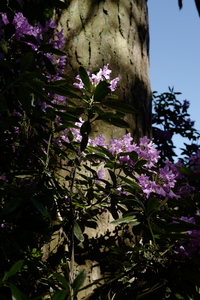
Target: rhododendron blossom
[(103, 74)]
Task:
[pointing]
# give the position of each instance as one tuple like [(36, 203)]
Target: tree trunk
[(115, 32)]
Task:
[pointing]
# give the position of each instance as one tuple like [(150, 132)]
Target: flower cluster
[(103, 74), (42, 35), (159, 182)]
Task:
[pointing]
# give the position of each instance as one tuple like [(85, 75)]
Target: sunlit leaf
[(85, 78), (120, 106), (78, 232), (127, 220), (63, 280), (78, 281)]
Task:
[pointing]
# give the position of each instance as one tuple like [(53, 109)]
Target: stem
[(48, 148), (71, 271), (150, 228)]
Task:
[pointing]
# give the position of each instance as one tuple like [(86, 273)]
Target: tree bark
[(115, 32)]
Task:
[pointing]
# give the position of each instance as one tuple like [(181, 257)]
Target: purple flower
[(5, 19), (113, 84), (186, 249), (160, 183), (3, 224), (79, 85), (50, 24), (98, 141), (185, 189), (103, 74)]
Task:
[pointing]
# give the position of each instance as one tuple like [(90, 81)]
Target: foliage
[(171, 117), (197, 2), (56, 181)]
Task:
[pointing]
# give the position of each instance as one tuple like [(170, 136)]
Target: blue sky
[(175, 52)]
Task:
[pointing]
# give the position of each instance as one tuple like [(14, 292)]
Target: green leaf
[(78, 232), (4, 48), (9, 30), (140, 163), (40, 94), (186, 171), (108, 115), (61, 91), (50, 67), (178, 296), (57, 52), (78, 282), (120, 106), (15, 268), (16, 294), (60, 4), (127, 220), (133, 155), (152, 204), (61, 82), (63, 280), (92, 157), (112, 97), (24, 98), (113, 177), (85, 128), (90, 170), (131, 182), (11, 205), (85, 78), (40, 207), (27, 61), (182, 227), (60, 295), (66, 116), (84, 143), (104, 151), (116, 122), (64, 126), (101, 90), (48, 48)]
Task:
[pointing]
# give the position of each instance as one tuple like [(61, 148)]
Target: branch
[(197, 2)]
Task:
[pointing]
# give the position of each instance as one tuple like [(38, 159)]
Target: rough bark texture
[(114, 32)]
